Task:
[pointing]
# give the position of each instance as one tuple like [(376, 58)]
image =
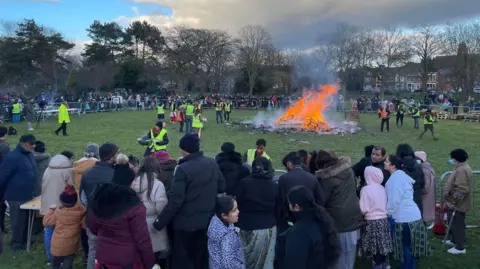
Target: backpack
[(12, 131)]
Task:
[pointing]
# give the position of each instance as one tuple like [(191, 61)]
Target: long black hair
[(151, 169), (303, 197)]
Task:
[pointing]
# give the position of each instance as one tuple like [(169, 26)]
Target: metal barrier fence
[(473, 216)]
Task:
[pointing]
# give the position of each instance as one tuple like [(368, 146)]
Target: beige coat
[(154, 206), (57, 175), (458, 189), (428, 193)]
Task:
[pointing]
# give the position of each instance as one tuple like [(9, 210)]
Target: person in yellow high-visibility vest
[(189, 110), (251, 154), (415, 116), (228, 109), (197, 123), (173, 112), (63, 119), (218, 111), (16, 111), (160, 111), (155, 140), (428, 124)]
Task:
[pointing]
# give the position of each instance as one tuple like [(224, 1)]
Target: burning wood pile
[(306, 115)]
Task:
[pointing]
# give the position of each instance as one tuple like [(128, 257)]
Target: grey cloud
[(298, 24)]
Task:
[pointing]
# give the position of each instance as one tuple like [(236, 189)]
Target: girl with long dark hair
[(313, 241), (409, 234), (152, 193)]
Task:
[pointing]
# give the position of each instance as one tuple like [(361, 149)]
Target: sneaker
[(455, 251), (30, 129), (448, 243)]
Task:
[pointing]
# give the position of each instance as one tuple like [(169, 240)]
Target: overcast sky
[(293, 24)]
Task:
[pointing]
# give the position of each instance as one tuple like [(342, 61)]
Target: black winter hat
[(107, 151), (190, 143), (123, 174), (228, 147), (69, 196), (39, 147)]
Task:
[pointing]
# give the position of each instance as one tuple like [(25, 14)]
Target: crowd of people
[(230, 211)]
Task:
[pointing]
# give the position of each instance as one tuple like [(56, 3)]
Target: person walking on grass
[(63, 119), (415, 116), (400, 112), (68, 218), (458, 194), (428, 124), (384, 115), (18, 180), (197, 123)]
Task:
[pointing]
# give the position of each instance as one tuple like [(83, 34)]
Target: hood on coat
[(111, 200), (421, 155), (168, 162), (70, 215), (373, 175), (217, 229), (60, 162), (233, 157), (41, 156), (83, 164), (335, 170)]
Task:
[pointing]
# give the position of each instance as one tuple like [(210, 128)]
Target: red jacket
[(123, 239)]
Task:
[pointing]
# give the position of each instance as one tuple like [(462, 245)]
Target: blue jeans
[(188, 127), (219, 115), (47, 237), (409, 261)]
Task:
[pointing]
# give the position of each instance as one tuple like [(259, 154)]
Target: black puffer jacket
[(417, 174), (231, 165)]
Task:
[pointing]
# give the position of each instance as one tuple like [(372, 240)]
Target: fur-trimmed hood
[(336, 170)]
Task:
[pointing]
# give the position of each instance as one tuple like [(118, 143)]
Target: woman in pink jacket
[(376, 239), (428, 191)]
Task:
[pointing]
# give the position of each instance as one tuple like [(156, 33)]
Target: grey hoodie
[(42, 160)]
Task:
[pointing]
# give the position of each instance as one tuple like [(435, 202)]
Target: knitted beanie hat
[(69, 196)]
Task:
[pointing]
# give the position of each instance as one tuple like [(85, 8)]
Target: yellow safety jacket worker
[(173, 107), (218, 107), (227, 107), (16, 109), (63, 114), (160, 110), (251, 156), (415, 112), (154, 139), (189, 110), (197, 122), (428, 119)]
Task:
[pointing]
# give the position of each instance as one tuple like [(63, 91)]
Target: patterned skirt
[(419, 240), (259, 248), (376, 238)]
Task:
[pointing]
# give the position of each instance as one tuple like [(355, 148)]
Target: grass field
[(123, 128)]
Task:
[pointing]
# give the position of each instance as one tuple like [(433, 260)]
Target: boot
[(379, 266)]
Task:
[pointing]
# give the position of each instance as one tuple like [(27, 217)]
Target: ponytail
[(332, 240)]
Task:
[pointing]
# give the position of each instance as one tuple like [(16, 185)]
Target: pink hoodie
[(373, 197)]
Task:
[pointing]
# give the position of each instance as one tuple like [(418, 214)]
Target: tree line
[(143, 57)]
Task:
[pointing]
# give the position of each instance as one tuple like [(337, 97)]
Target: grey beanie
[(92, 150)]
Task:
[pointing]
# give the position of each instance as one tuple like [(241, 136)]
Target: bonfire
[(307, 113)]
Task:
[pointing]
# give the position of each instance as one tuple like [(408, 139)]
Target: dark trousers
[(161, 117), (62, 128), (18, 225), (181, 126), (457, 230), (219, 116), (409, 262), (84, 239), (400, 118), (226, 115), (161, 258), (3, 209), (379, 259), (385, 121), (57, 262), (190, 250), (427, 127)]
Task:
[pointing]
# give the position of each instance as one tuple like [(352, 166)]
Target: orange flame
[(309, 109)]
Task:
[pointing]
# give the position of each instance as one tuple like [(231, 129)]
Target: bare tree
[(426, 45), (395, 47), (368, 47), (253, 46)]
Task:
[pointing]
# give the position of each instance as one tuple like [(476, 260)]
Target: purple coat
[(224, 246), (428, 193)]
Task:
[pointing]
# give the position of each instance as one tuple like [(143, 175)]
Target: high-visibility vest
[(189, 110), (383, 113), (416, 112), (173, 107), (160, 109), (63, 114), (251, 156), (427, 119), (197, 122), (16, 109), (157, 138), (227, 107), (218, 107), (179, 116)]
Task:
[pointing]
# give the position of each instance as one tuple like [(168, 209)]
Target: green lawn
[(123, 128)]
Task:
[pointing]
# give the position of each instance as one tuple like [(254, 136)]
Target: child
[(68, 220), (197, 123), (376, 239), (224, 245)]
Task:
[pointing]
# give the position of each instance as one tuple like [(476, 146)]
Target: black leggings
[(379, 259)]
